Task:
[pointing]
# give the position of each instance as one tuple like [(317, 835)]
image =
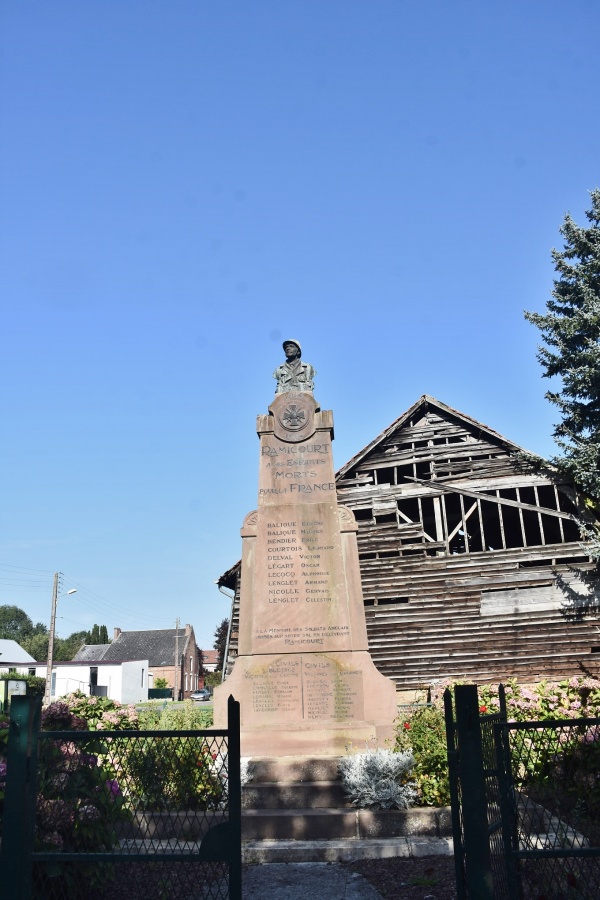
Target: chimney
[(117, 633), (188, 629)]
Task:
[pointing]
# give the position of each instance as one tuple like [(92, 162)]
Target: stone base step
[(294, 795), (254, 852), (334, 824), (293, 769)]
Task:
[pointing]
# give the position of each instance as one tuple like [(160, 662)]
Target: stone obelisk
[(304, 677)]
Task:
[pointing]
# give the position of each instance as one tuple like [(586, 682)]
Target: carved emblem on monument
[(347, 519), (293, 417), (250, 523)]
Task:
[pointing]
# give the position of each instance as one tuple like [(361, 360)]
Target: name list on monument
[(306, 687)]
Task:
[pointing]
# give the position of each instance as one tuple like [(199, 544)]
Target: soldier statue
[(293, 374)]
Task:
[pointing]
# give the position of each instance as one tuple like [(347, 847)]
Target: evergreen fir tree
[(571, 331), (103, 635)]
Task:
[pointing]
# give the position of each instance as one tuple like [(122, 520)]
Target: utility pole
[(176, 691), (47, 690)]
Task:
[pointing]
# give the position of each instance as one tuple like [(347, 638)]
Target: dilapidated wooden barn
[(471, 560)]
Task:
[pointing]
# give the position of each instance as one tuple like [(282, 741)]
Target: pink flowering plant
[(102, 713), (3, 746), (536, 754), (572, 698), (79, 803)]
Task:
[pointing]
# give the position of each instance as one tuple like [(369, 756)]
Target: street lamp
[(55, 595)]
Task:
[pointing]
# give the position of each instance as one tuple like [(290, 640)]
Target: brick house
[(159, 648)]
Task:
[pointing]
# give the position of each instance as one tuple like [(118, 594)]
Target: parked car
[(202, 694)]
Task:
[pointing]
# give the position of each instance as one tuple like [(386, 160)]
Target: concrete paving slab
[(296, 881)]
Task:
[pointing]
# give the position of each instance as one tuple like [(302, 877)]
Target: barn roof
[(424, 404)]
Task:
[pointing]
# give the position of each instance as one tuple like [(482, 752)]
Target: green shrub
[(212, 679), (186, 716), (35, 685), (422, 730), (174, 776)]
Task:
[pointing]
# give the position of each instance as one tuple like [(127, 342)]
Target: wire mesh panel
[(500, 874), (555, 771), (479, 836), (154, 795), (125, 814), (455, 796), (148, 880), (534, 789)]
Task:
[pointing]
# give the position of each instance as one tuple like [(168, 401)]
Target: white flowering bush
[(379, 779)]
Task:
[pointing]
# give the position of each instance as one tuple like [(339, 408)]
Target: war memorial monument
[(304, 677)]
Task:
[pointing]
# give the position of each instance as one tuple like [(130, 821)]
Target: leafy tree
[(66, 648), (220, 642), (98, 635), (212, 679), (37, 646), (15, 624), (571, 331)]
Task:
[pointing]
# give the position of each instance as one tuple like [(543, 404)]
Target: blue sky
[(184, 184)]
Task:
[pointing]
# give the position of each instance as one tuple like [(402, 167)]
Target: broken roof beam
[(504, 501)]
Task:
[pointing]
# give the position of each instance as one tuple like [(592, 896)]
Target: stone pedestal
[(304, 677)]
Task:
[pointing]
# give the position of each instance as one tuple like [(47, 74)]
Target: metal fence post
[(235, 798), (453, 778), (19, 797), (480, 885), (508, 808)]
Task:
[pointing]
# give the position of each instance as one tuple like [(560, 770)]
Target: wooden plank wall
[(438, 631), (423, 593)]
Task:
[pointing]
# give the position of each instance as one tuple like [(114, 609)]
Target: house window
[(142, 676), (191, 663), (31, 671)]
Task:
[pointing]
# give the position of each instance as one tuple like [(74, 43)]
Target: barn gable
[(440, 482)]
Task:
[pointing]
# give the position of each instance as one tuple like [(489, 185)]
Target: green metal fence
[(121, 814), (551, 796), (525, 803)]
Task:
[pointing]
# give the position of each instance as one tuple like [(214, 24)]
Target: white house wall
[(124, 682), (134, 681)]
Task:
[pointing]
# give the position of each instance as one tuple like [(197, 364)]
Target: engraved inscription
[(309, 687)]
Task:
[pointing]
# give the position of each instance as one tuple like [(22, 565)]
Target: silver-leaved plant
[(379, 779)]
